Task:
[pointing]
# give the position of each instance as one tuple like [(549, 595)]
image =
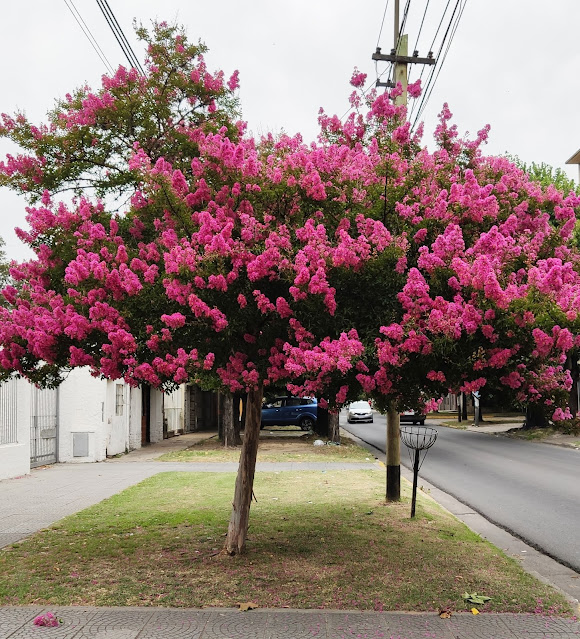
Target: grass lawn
[(277, 444), (550, 435), (450, 419), (317, 540)]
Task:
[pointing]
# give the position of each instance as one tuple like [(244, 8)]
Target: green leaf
[(475, 598)]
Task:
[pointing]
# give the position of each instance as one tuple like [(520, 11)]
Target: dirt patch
[(270, 441), (276, 445)]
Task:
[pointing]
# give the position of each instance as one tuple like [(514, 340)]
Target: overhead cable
[(429, 90), (419, 103), (421, 26), (88, 34), (432, 70), (120, 36), (382, 22), (403, 21)]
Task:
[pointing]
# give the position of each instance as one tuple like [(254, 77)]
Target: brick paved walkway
[(163, 623)]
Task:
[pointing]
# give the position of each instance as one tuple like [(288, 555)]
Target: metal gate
[(43, 426), (9, 412)]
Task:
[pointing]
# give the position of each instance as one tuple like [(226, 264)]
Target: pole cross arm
[(407, 59)]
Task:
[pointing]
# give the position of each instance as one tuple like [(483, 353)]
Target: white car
[(359, 412)]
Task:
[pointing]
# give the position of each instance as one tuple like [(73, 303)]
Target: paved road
[(530, 489)]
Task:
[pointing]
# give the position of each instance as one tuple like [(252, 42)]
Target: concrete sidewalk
[(220, 623), (498, 427)]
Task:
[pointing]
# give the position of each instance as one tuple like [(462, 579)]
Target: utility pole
[(400, 56)]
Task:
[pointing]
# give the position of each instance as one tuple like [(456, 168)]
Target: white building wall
[(111, 417), (88, 422), (82, 410), (15, 456)]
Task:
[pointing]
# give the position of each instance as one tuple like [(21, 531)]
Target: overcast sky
[(514, 64)]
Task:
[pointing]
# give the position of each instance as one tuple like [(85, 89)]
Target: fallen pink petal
[(47, 619)]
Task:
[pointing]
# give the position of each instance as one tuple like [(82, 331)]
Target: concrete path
[(220, 623)]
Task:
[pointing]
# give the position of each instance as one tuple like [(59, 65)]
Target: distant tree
[(4, 266), (549, 177), (546, 175)]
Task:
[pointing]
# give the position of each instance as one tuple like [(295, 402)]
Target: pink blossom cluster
[(362, 263), (47, 619)]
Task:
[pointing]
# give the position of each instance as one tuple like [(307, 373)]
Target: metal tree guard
[(417, 438)]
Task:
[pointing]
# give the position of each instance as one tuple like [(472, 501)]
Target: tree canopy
[(360, 263), (546, 175)]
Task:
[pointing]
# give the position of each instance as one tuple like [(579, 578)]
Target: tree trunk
[(239, 401), (231, 434), (464, 406), (219, 415), (240, 518), (393, 455), (572, 366), (244, 411), (573, 398), (458, 396), (333, 427), (322, 422), (535, 417)]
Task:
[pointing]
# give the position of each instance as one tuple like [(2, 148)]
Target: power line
[(382, 23), (431, 47), (434, 77), (421, 27), (120, 36), (404, 21), (416, 48), (419, 104), (440, 23), (88, 34), (443, 60)]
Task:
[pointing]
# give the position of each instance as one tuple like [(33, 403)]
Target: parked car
[(359, 412), (410, 416), (290, 411)]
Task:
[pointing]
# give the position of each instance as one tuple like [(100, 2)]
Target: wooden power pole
[(400, 57)]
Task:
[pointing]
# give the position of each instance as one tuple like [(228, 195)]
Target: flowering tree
[(546, 175), (358, 264)]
